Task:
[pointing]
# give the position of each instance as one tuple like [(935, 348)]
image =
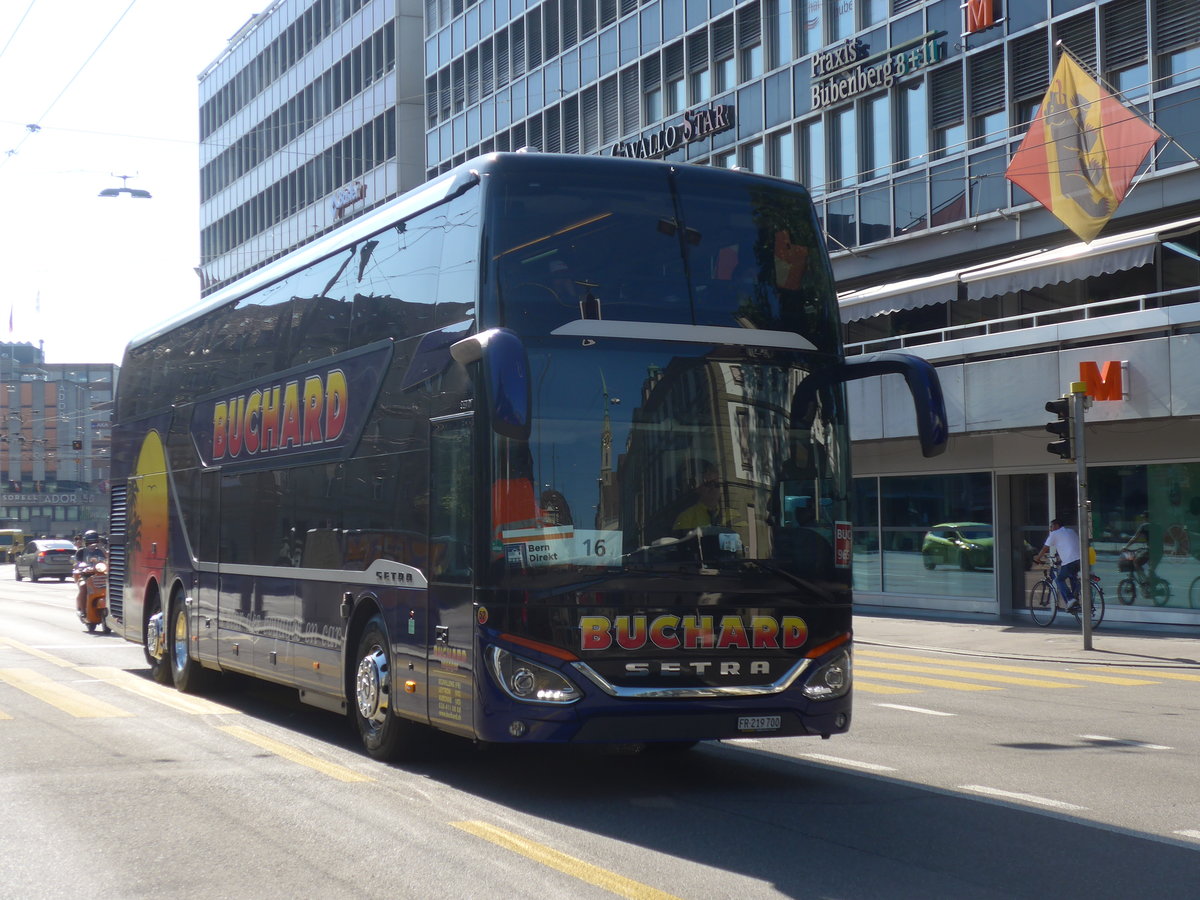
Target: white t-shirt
[(1065, 542)]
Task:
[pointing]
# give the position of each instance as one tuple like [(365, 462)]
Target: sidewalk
[(1020, 640)]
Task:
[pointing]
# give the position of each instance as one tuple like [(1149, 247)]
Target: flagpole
[(1125, 101)]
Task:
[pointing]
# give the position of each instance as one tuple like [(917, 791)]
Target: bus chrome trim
[(382, 572), (692, 334), (778, 686)]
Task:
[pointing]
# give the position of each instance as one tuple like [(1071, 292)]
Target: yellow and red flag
[(1081, 152)]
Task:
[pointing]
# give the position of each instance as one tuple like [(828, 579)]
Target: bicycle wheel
[(1097, 608), (1127, 591), (1160, 591), (1194, 594), (1043, 603)]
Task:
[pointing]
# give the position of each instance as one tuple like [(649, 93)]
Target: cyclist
[(1064, 540)]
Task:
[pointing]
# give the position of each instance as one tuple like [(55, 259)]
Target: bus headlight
[(831, 680), (522, 679)]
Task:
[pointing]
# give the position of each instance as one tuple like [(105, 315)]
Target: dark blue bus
[(553, 449)]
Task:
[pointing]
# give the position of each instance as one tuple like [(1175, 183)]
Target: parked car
[(46, 558), (968, 545)]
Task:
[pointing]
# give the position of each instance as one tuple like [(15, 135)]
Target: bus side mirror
[(505, 371), (933, 429)]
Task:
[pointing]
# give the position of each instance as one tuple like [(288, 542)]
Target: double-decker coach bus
[(553, 449)]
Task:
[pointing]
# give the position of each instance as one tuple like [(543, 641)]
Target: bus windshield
[(658, 246), (648, 454)]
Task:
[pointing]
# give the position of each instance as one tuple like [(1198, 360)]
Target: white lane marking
[(1189, 833), (1112, 740), (916, 709), (1012, 795), (853, 763)]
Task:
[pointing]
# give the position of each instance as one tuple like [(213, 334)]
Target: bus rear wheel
[(384, 734), (189, 676)]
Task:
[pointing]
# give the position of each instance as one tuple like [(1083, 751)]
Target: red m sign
[(981, 14), (1103, 384)]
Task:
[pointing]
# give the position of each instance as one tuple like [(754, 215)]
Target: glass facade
[(881, 93)]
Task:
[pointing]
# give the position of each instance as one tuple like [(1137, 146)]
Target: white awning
[(1071, 263), (886, 298), (1016, 273)]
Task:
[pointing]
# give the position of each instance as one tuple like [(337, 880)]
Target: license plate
[(759, 723)]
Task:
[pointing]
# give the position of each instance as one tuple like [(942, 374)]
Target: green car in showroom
[(967, 545)]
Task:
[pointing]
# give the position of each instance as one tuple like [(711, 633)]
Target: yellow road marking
[(980, 676), (40, 654), (1155, 673), (867, 688), (294, 754), (69, 700), (568, 865), (196, 706), (4, 715), (919, 679), (993, 667)]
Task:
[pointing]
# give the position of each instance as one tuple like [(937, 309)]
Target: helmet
[(91, 537)]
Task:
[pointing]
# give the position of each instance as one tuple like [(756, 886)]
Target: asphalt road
[(963, 777)]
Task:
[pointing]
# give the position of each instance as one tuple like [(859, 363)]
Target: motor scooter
[(94, 574)]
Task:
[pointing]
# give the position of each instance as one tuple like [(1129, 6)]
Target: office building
[(54, 443)]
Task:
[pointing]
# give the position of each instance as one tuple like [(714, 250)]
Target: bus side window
[(451, 501)]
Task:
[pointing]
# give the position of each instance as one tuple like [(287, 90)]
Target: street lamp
[(136, 193)]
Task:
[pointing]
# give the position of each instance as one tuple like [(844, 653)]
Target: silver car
[(46, 558)]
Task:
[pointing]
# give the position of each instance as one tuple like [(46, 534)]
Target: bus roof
[(423, 197)]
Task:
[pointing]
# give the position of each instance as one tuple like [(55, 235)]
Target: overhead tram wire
[(24, 16), (33, 128)]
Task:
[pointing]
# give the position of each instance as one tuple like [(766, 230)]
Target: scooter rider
[(89, 553)]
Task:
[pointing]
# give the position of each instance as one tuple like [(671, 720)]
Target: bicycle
[(1154, 588), (1044, 600)]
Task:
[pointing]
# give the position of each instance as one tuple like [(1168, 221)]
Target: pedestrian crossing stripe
[(943, 664), (73, 702), (921, 679), (980, 676), (866, 687), (40, 654), (1156, 673)]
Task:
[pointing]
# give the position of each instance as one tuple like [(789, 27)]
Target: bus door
[(451, 635)]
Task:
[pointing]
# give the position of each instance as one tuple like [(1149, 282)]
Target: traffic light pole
[(1079, 402)]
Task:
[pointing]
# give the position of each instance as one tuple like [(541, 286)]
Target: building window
[(949, 132), (781, 155), (1126, 63), (699, 80), (813, 140), (1029, 65), (913, 130), (877, 138), (988, 119), (1177, 41), (750, 48), (843, 142), (754, 157), (723, 50)]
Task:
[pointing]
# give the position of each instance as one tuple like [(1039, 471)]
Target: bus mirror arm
[(933, 429), (505, 374)]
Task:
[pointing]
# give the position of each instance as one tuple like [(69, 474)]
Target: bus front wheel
[(384, 734)]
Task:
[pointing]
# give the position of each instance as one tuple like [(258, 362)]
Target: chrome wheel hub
[(156, 638), (373, 686)]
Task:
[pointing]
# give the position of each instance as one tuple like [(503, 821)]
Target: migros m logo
[(980, 15), (1104, 381)]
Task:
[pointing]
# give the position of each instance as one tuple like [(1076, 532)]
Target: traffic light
[(1062, 447)]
